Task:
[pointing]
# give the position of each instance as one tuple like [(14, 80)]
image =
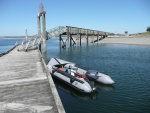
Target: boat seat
[(61, 69)]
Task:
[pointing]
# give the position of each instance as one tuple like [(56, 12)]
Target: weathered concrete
[(26, 86)]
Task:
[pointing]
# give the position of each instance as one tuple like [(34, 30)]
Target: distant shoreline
[(127, 40), (130, 40)]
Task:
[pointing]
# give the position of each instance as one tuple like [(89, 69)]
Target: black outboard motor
[(92, 84), (92, 75)]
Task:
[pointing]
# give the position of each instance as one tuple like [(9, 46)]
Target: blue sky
[(114, 16)]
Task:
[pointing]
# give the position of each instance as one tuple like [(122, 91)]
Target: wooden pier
[(67, 31), (79, 33), (26, 85)]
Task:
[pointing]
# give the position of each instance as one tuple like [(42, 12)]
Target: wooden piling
[(60, 41), (68, 34), (87, 38), (70, 40), (44, 31), (80, 37), (39, 30), (93, 37), (97, 36)]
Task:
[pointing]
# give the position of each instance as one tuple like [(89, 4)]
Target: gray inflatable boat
[(76, 77), (67, 72)]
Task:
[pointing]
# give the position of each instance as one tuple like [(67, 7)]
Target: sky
[(115, 16)]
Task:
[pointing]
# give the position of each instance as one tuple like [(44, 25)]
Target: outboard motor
[(92, 75), (92, 84)]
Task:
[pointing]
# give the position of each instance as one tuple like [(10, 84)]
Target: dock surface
[(24, 85)]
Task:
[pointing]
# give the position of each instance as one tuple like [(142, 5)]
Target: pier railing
[(65, 30), (55, 32), (31, 43)]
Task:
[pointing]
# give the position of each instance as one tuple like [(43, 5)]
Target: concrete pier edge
[(53, 88), (4, 53)]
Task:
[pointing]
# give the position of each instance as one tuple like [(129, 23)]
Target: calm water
[(6, 44), (129, 67)]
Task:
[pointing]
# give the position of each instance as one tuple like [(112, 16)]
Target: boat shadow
[(60, 85), (104, 87)]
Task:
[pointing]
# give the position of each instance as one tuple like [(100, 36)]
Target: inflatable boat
[(76, 77), (67, 72), (94, 75)]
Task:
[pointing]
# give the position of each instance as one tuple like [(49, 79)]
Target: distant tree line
[(148, 29), (111, 34)]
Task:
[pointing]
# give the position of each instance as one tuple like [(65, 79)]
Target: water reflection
[(104, 87), (127, 65), (73, 92)]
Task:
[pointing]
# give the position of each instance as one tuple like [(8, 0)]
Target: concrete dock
[(26, 86)]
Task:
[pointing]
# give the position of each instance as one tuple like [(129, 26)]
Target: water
[(7, 43), (128, 66)]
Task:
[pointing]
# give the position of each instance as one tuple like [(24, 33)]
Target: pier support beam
[(44, 31), (69, 35), (80, 36), (80, 39), (70, 40), (39, 30), (42, 13), (87, 38), (60, 41), (74, 43), (93, 37)]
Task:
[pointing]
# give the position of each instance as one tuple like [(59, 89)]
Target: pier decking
[(25, 85)]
